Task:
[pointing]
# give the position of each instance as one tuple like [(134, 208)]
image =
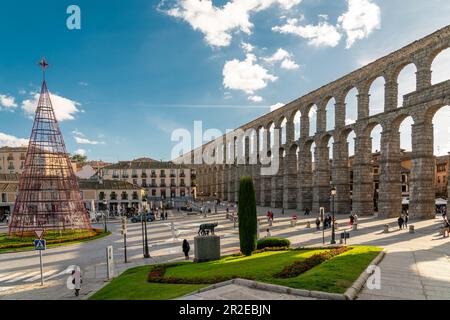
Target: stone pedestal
[(207, 248)]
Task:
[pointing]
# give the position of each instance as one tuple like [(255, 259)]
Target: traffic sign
[(40, 244), (39, 233)]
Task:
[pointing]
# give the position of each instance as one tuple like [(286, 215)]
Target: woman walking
[(186, 247)]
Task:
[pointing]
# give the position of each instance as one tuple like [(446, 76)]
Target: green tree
[(247, 216), (79, 158)]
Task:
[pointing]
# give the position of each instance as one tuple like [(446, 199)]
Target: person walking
[(352, 219), (400, 222), (268, 234), (406, 219), (318, 223), (186, 247)]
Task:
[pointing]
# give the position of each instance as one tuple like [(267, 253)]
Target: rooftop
[(145, 165)]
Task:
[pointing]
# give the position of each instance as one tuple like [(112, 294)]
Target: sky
[(137, 70)]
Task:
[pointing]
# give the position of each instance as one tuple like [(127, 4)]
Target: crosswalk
[(28, 277)]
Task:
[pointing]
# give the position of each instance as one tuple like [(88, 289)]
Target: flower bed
[(17, 243), (299, 267), (156, 275)]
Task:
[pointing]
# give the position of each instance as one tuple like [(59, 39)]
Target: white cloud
[(285, 58), (248, 48), (255, 98), (7, 101), (246, 75), (80, 152), (320, 35), (276, 106), (12, 141), (218, 23), (81, 140), (65, 109), (289, 64), (360, 20), (281, 54)]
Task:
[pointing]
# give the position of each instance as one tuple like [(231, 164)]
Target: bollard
[(411, 229), (386, 228)]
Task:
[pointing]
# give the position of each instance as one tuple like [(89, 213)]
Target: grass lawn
[(54, 239), (133, 285), (334, 275)]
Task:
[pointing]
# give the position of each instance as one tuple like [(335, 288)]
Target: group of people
[(353, 219), (403, 220), (162, 215), (326, 222)]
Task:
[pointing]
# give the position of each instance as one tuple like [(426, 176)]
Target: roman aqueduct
[(300, 183)]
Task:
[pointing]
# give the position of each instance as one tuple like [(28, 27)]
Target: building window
[(173, 193), (135, 182), (144, 174), (134, 173), (182, 183), (153, 182), (113, 196), (135, 195), (144, 183), (163, 174), (153, 193), (172, 183), (115, 174), (404, 189), (172, 173), (4, 199), (153, 174), (101, 196), (182, 193), (163, 183), (124, 196)]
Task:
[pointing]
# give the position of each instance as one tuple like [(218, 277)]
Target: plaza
[(416, 266)]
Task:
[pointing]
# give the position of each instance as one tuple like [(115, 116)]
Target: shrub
[(247, 216), (273, 243), (299, 267)]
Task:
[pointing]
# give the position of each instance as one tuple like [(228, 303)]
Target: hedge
[(273, 243)]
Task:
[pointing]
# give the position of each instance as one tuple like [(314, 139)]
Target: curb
[(356, 287), (273, 288)]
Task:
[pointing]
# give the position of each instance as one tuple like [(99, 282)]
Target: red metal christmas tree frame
[(49, 196)]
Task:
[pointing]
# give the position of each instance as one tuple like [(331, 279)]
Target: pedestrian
[(306, 211), (268, 235), (355, 219), (352, 219), (400, 222), (186, 247), (76, 281), (268, 216), (318, 223), (406, 219)]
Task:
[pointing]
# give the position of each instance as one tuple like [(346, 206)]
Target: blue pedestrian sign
[(40, 244)]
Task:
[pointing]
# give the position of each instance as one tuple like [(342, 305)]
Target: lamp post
[(144, 232), (333, 235), (104, 216)]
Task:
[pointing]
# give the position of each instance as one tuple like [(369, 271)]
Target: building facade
[(12, 159), (161, 180)]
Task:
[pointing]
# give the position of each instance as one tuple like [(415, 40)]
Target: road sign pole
[(42, 267), (125, 245)]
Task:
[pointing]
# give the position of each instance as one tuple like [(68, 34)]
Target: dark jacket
[(186, 246)]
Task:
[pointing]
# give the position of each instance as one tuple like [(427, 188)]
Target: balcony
[(162, 175), (153, 175), (162, 185), (10, 158), (134, 176), (182, 184), (115, 176), (144, 185), (172, 175), (144, 176), (124, 176), (182, 175), (153, 185), (173, 184)]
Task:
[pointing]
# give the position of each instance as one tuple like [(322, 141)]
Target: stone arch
[(406, 78), (296, 120), (312, 111), (283, 127), (330, 111), (376, 92), (440, 66), (351, 105)]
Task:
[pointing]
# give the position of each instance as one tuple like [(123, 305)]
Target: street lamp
[(333, 235), (144, 232), (104, 216)]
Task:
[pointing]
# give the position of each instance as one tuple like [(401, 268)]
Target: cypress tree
[(247, 216)]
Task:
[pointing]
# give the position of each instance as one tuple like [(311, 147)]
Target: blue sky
[(139, 69)]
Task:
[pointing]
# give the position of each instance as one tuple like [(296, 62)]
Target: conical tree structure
[(49, 196)]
